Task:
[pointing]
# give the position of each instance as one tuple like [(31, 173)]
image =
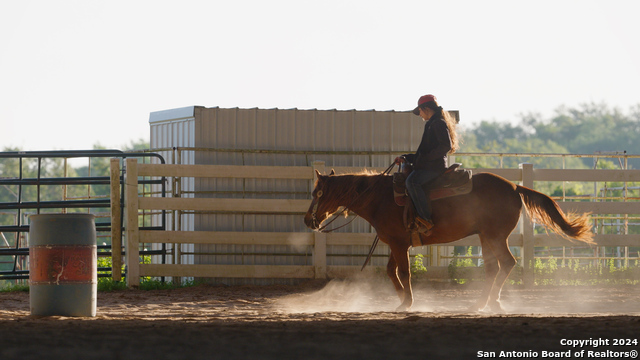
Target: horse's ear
[(332, 172), (318, 175)]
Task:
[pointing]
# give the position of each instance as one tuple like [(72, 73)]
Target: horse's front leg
[(402, 263), (392, 272)]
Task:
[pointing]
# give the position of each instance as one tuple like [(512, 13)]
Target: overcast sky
[(77, 73)]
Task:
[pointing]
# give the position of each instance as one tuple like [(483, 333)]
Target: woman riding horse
[(439, 139), (491, 210)]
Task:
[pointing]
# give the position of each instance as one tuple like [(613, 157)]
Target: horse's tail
[(546, 211)]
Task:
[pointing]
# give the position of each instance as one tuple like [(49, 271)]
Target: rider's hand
[(399, 160)]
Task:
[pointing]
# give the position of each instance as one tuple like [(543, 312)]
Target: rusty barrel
[(63, 277)]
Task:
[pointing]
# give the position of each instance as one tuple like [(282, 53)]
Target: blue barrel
[(63, 266)]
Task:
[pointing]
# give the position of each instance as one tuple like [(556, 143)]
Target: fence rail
[(135, 236)]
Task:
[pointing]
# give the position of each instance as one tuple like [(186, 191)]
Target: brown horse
[(491, 210)]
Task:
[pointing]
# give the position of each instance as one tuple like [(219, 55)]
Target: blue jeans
[(414, 183)]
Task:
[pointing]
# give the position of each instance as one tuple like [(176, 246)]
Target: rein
[(323, 228)]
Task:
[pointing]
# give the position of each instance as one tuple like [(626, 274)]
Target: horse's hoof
[(478, 307), (403, 308), (496, 308)]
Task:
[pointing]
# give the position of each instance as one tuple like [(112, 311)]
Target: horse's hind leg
[(491, 268), (506, 263), (498, 262)]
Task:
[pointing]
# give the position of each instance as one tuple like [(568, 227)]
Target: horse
[(491, 210)]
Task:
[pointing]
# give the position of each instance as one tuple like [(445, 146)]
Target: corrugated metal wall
[(339, 133), (173, 128), (170, 129)]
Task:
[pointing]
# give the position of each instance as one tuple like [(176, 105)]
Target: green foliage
[(571, 272), (9, 287), (107, 283), (458, 267), (554, 271), (586, 129), (417, 267), (146, 283)]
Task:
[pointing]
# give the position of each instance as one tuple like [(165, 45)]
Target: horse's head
[(323, 202)]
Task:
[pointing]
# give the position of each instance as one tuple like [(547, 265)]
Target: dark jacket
[(434, 147)]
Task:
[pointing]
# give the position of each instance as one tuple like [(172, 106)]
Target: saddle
[(453, 182)]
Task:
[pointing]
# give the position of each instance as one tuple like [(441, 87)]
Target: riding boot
[(420, 227)]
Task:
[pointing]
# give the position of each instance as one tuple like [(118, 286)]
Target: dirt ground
[(341, 319)]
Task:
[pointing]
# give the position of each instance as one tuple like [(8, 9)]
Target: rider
[(430, 160)]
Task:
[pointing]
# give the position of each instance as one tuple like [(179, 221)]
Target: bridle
[(346, 209), (323, 228)]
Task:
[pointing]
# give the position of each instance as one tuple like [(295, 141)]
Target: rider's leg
[(415, 182)]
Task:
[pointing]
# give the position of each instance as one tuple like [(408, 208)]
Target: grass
[(14, 287)]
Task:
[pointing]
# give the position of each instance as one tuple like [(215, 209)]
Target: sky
[(74, 74)]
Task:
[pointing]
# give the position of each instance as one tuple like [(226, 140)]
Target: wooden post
[(528, 245), (177, 217), (320, 255), (132, 231), (320, 239), (116, 221)]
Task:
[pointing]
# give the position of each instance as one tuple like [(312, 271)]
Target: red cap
[(423, 100)]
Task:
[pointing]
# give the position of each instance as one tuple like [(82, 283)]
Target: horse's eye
[(319, 193)]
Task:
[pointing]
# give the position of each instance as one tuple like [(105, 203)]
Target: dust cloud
[(366, 293), (356, 294), (370, 294)]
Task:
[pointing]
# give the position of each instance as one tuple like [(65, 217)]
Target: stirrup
[(424, 226)]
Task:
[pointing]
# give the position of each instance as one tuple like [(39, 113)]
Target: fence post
[(320, 239), (132, 234), (528, 254), (320, 255), (116, 221)]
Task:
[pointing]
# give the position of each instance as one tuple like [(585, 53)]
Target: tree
[(586, 129)]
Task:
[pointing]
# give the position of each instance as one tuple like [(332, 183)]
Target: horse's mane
[(366, 184)]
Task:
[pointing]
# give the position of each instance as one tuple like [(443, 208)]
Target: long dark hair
[(449, 120)]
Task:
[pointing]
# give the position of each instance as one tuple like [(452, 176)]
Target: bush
[(458, 267), (417, 267), (146, 283), (8, 287), (570, 272), (554, 271)]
